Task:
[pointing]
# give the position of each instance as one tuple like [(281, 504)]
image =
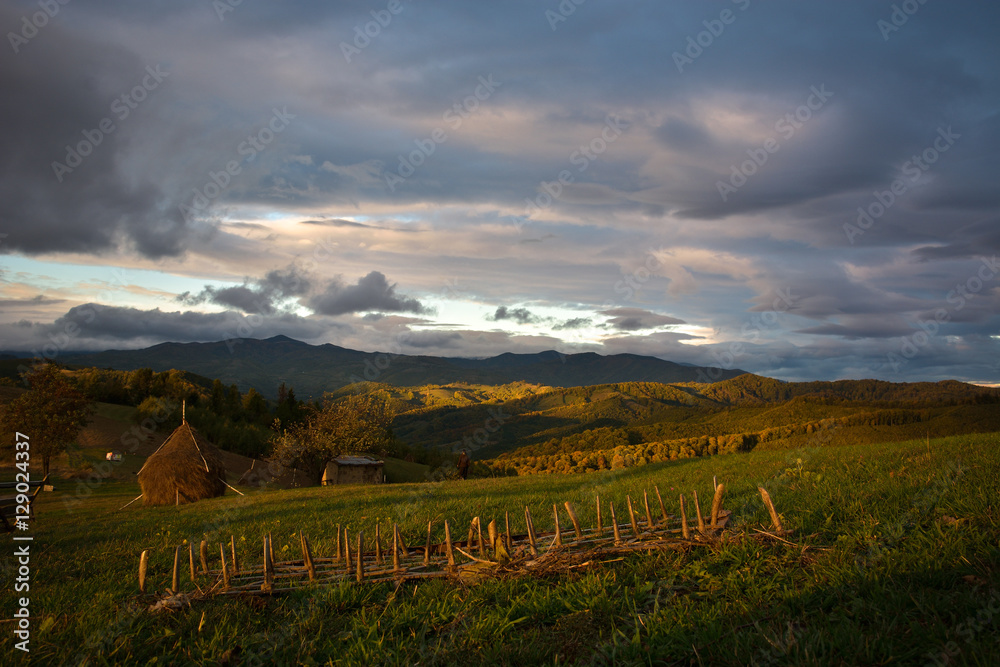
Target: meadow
[(893, 560)]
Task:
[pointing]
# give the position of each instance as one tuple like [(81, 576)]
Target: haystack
[(185, 468)]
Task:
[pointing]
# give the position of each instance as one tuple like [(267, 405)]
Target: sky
[(803, 190)]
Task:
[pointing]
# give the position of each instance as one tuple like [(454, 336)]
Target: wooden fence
[(502, 549)]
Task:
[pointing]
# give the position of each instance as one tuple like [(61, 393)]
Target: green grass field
[(893, 561)]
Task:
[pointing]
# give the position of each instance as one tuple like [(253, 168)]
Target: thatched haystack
[(186, 468)]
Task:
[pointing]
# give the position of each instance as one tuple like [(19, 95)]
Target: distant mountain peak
[(315, 369)]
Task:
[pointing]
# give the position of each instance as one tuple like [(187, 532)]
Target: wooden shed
[(354, 469)]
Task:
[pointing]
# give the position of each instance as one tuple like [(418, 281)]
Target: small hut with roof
[(186, 468)]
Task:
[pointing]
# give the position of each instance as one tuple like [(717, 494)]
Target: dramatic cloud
[(633, 319), (808, 187), (372, 292), (262, 296), (573, 323), (519, 315)]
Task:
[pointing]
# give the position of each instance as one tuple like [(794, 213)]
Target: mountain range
[(314, 369)]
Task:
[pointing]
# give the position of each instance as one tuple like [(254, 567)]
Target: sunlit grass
[(896, 546)]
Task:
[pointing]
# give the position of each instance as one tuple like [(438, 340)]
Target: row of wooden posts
[(497, 549)]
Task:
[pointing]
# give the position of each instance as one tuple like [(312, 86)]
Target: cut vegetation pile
[(500, 552)]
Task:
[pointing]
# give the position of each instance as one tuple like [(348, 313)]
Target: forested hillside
[(526, 428)]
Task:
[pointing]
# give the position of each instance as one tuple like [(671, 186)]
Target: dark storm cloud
[(372, 292), (260, 296), (574, 323), (519, 315), (432, 339), (633, 319), (60, 86), (97, 322)]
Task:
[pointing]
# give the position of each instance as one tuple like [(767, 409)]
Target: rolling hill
[(314, 369)]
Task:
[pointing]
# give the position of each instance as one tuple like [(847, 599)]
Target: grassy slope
[(895, 580), (398, 471), (433, 416)]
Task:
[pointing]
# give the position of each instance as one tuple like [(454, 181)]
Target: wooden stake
[(225, 573), (766, 497), (631, 516), (649, 515), (404, 551), (175, 584), (614, 522), (395, 548), (177, 496), (347, 551), (663, 509), (143, 566), (203, 552), (684, 520), (270, 547), (507, 542), (232, 548), (191, 559), (336, 558), (447, 542), (479, 538), (310, 566), (427, 549), (572, 517), (130, 502), (361, 556), (378, 545), (558, 539), (600, 528), (715, 484), (531, 532), (268, 565), (491, 530), (697, 509), (717, 504)]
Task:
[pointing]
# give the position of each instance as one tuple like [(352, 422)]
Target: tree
[(254, 406), (51, 413), (218, 398), (289, 410), (357, 424)]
